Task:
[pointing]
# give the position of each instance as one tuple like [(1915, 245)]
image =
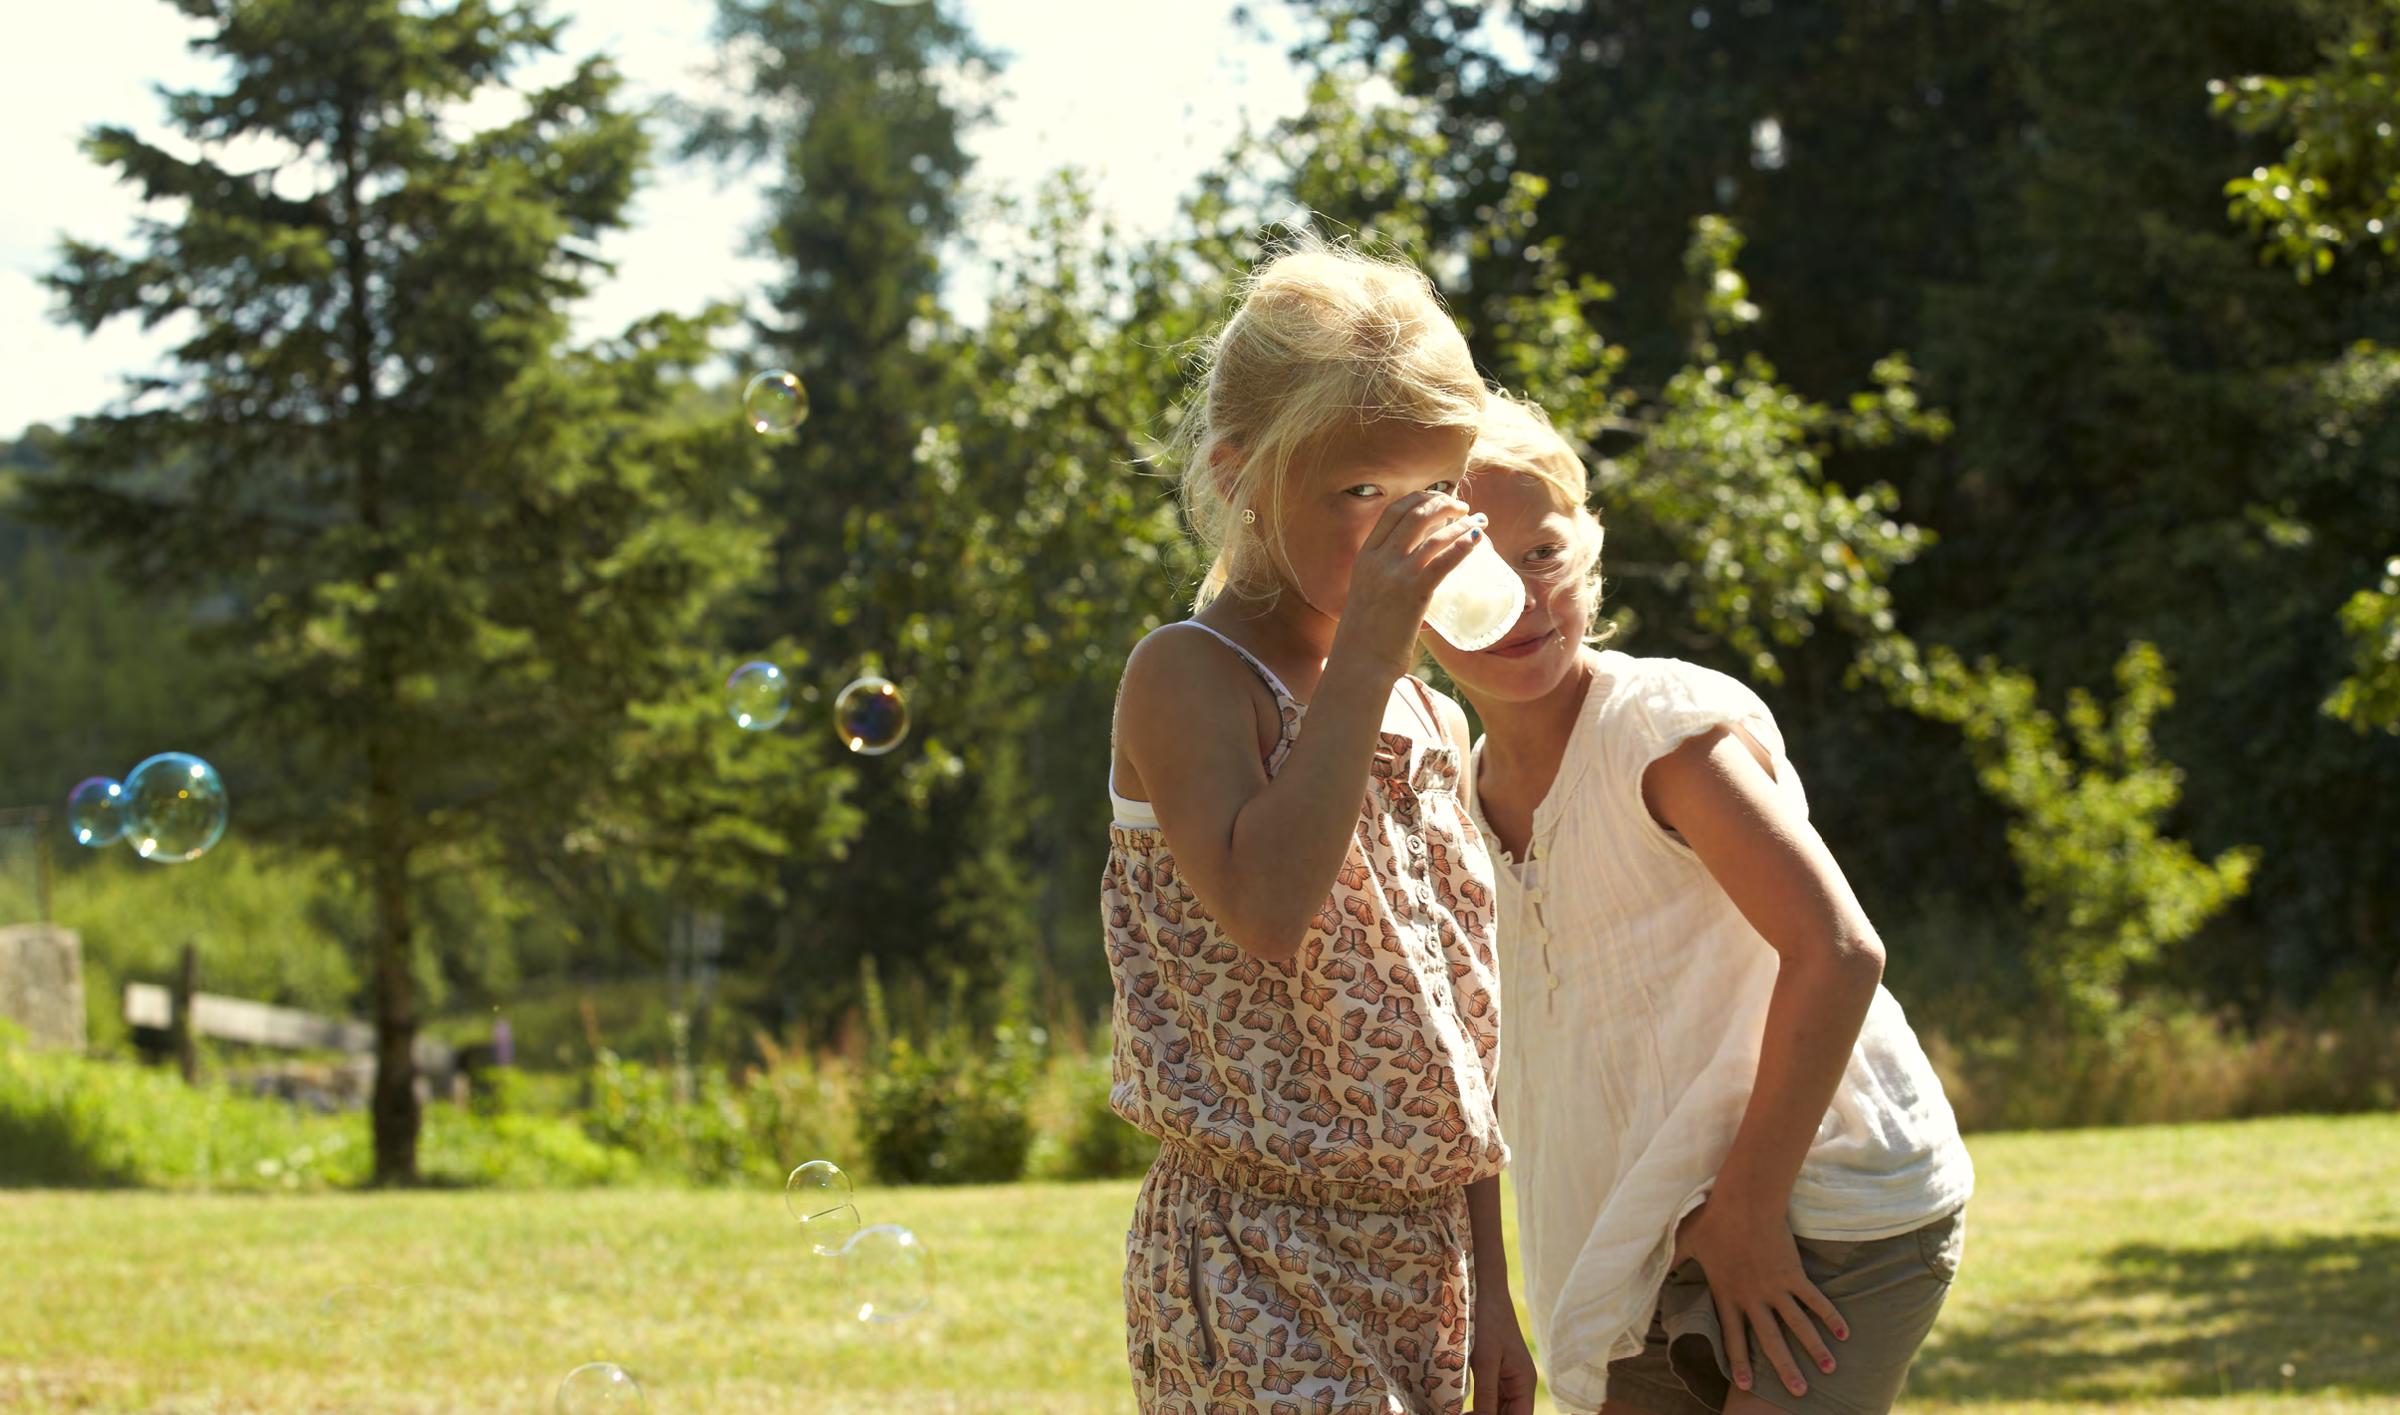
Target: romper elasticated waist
[(1266, 1182)]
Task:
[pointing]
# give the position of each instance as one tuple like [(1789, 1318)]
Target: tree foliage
[(2152, 436), (2334, 193), (1923, 376), (472, 568)]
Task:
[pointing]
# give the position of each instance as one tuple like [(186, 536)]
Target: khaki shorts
[(1888, 1289)]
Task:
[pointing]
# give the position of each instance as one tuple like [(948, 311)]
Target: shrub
[(1099, 1144), (943, 1114), (2169, 1064), (802, 1107), (498, 1091), (708, 1138), (520, 1152), (67, 1120), (949, 1111)]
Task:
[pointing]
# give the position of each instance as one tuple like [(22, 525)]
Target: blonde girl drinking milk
[(1739, 1184), (1298, 915)]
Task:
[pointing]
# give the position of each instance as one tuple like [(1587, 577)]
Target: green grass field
[(2219, 1268)]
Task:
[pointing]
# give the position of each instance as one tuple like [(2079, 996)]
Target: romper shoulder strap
[(1433, 716), (1274, 684)]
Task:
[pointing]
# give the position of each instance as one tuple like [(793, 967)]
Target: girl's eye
[(1547, 559), (1367, 490)]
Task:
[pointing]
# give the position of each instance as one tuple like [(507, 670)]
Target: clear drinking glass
[(1477, 603)]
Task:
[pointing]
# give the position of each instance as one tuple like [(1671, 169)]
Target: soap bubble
[(175, 808), (870, 716), (96, 811), (818, 1195), (599, 1386), (775, 402), (758, 696), (888, 1273)]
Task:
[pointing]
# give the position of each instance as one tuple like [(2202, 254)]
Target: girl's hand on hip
[(1753, 1269)]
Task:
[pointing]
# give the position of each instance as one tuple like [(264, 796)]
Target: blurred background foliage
[(2001, 385)]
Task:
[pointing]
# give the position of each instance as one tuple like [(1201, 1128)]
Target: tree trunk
[(389, 842), (396, 1115), (187, 987)]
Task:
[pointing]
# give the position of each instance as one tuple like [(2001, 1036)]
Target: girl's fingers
[(1436, 513), (1447, 545), (1806, 1330), (1429, 576), (1822, 1305), (1769, 1333), (1406, 520), (1737, 1343)]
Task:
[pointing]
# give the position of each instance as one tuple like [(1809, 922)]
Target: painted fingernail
[(1742, 1379), (1826, 1365), (1841, 1333), (1475, 535)]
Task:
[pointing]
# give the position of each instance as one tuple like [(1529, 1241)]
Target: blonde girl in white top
[(1739, 1184)]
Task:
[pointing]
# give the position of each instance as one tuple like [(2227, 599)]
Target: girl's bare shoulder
[(1179, 680)]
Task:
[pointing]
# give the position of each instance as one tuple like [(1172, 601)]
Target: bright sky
[(1142, 94)]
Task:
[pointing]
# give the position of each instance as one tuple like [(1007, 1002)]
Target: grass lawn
[(2168, 1269)]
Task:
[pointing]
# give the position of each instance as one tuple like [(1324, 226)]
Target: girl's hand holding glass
[(1418, 541)]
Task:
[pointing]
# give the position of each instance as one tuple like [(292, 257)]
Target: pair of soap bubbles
[(870, 715), (886, 1269), (886, 1272), (171, 809)]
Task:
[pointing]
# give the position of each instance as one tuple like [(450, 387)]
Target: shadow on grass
[(2189, 1321)]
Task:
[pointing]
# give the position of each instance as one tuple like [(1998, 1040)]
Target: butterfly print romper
[(1301, 1246)]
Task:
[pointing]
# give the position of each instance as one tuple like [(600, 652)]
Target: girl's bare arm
[(1262, 853), (1718, 792)]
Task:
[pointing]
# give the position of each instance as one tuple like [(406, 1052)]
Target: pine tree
[(476, 569), (852, 116)]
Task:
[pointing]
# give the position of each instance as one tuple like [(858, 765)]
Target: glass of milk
[(1477, 603)]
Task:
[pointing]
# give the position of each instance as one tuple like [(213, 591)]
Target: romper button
[(1425, 895), (1554, 982), (1416, 845)]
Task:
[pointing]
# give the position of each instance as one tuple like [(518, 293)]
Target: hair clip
[(1249, 517)]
